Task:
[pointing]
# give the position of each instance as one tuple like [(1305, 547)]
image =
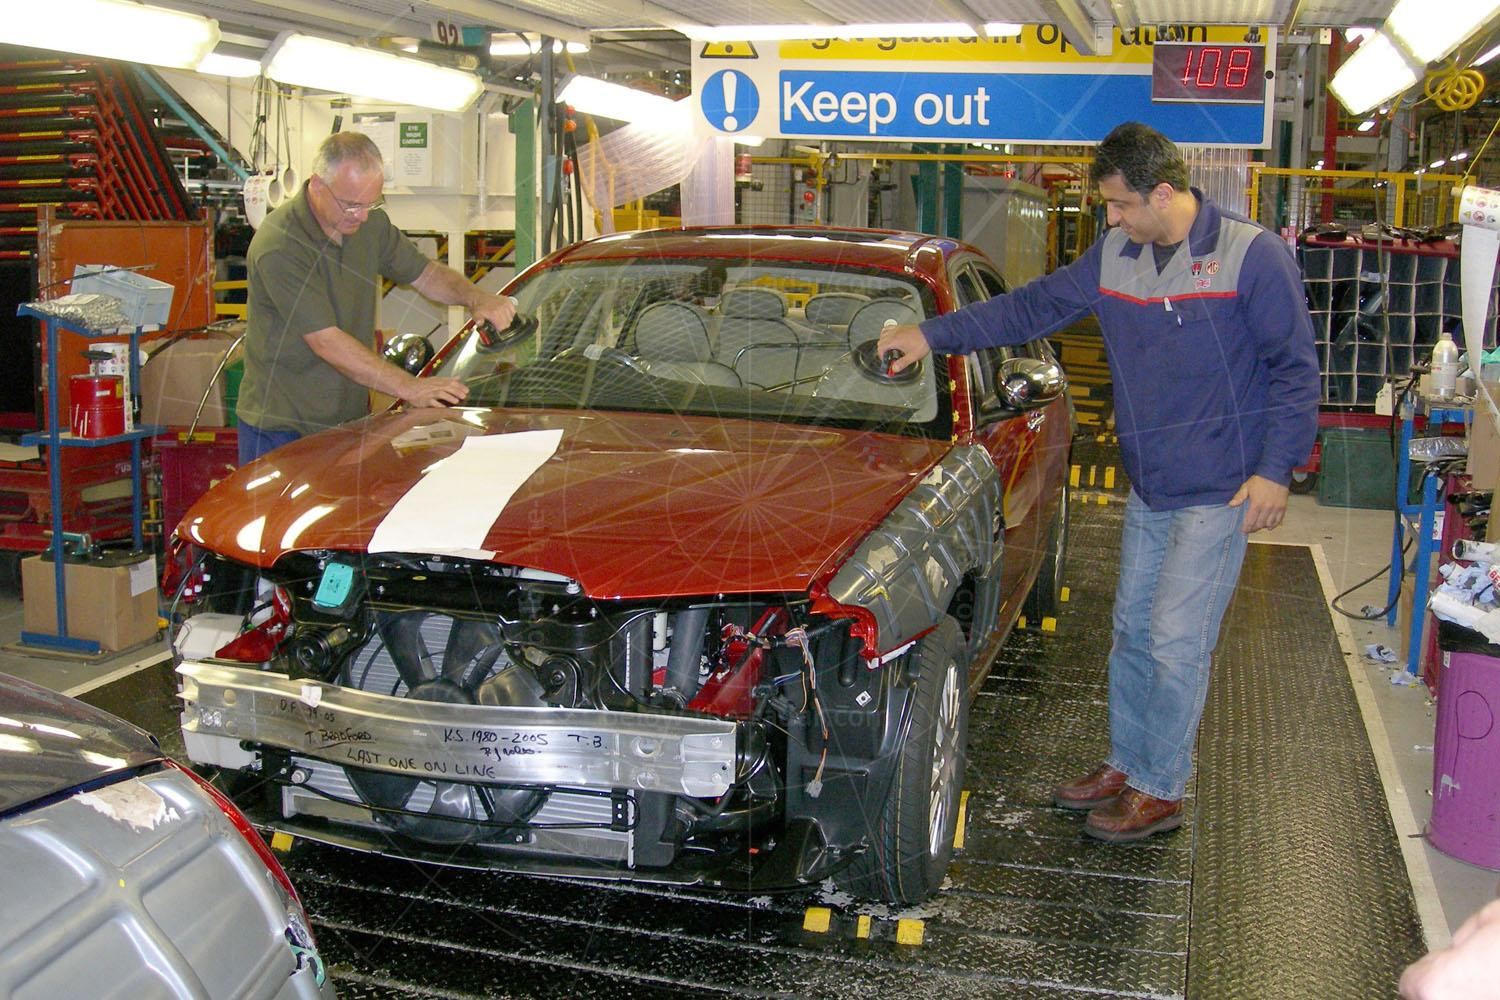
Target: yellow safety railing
[(637, 216), (1311, 197), (229, 310), (495, 259), (795, 292)]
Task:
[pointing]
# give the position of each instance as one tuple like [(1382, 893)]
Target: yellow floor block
[(817, 919)]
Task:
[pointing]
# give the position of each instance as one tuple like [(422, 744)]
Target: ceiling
[(640, 35)]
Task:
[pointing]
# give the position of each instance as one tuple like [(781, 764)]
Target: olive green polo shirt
[(301, 282)]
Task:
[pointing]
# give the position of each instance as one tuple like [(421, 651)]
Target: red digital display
[(1214, 72)]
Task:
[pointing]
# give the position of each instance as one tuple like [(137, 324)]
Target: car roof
[(887, 250)]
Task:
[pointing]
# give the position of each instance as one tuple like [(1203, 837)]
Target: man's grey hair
[(354, 148)]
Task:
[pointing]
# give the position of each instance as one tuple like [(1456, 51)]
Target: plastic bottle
[(1472, 551), (1444, 366)]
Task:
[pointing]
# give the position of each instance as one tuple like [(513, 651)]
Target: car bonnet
[(628, 505)]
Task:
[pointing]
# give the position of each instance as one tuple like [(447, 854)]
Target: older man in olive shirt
[(315, 267)]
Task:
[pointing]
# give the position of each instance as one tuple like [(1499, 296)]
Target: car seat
[(671, 340)]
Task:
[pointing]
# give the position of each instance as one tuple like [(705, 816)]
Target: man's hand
[(358, 363), (498, 310), (434, 392), (1466, 969), (906, 341), (1267, 503), (445, 285)]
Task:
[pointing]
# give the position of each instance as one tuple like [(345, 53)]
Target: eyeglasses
[(353, 207)]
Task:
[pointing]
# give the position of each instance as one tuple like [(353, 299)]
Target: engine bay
[(424, 703)]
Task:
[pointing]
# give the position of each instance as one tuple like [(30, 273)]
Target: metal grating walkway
[(1285, 881)]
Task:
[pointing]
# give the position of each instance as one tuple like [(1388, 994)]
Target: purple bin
[(1466, 761)]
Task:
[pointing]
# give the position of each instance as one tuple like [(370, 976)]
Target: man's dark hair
[(1142, 156)]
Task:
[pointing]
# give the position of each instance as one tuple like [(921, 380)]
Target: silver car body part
[(142, 888), (907, 570), (571, 822), (584, 748)]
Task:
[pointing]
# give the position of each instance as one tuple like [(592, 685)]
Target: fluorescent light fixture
[(1487, 56), (790, 32), (215, 64), (594, 96), (112, 29), (1459, 156), (1437, 163), (1377, 70), (530, 45), (1367, 124), (1430, 29), (306, 61)]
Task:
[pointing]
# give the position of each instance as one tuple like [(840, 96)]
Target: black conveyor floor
[(1285, 881)]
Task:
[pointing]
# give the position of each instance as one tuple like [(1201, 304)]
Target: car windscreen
[(758, 340)]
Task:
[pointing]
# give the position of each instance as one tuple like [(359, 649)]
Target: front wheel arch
[(910, 839)]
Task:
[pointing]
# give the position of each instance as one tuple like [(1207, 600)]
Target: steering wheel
[(597, 352)]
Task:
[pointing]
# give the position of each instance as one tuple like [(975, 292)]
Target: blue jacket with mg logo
[(1215, 374)]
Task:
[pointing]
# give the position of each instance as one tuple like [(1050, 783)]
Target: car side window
[(982, 364), (968, 288), (993, 283), (975, 283)]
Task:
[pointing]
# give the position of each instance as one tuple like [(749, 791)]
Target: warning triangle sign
[(728, 50)]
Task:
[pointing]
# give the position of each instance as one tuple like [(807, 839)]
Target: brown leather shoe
[(1133, 815), (1098, 787)]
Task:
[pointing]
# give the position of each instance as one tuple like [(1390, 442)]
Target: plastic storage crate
[(145, 301)]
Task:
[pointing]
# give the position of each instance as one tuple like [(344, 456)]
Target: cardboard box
[(174, 378), (1484, 445), (1404, 619), (112, 604), (1403, 615)]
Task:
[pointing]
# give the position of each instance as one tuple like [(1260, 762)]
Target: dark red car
[(691, 589)]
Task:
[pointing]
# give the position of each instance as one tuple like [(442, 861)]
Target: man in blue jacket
[(1216, 398)]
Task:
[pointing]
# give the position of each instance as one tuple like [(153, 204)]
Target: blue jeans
[(1178, 569), (255, 442)]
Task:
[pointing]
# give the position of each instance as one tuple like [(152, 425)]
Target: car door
[(1011, 439)]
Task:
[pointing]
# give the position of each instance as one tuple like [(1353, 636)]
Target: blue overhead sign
[(954, 90), (729, 100), (988, 107)]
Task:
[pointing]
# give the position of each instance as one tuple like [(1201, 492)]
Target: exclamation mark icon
[(731, 123)]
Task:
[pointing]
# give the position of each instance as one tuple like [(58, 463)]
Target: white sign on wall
[(405, 140)]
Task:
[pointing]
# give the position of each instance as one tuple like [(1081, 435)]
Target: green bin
[(233, 372), (1358, 468)]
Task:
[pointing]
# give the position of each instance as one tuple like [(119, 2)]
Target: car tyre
[(1303, 482), (1046, 594), (911, 839)]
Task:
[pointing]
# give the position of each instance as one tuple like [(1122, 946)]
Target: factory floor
[(1330, 547)]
